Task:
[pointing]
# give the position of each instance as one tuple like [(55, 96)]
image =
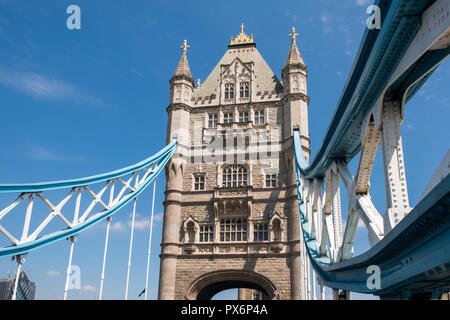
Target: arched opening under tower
[(208, 285)]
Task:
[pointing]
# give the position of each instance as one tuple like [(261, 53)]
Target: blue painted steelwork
[(162, 157), (421, 69), (414, 256), (45, 186), (378, 56)]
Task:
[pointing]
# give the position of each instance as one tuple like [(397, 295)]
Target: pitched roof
[(264, 77)]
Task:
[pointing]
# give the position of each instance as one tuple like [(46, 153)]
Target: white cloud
[(53, 273), (136, 72), (140, 224), (363, 3), (44, 154), (88, 288), (117, 227), (361, 224), (326, 18), (40, 153), (411, 127), (294, 17), (44, 87), (158, 217)]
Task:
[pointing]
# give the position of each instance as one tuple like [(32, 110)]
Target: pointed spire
[(183, 69), (294, 57)]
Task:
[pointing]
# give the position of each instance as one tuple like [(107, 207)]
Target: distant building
[(26, 289)]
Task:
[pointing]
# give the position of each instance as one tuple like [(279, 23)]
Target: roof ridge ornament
[(242, 37), (293, 35), (185, 46)]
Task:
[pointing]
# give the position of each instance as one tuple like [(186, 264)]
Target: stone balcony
[(243, 193), (236, 248), (236, 201)]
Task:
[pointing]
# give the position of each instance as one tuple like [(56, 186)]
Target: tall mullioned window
[(229, 91), (259, 117), (261, 232), (244, 90), (206, 234), (271, 180), (243, 116), (199, 183), (234, 176), (233, 229), (228, 117), (212, 120)]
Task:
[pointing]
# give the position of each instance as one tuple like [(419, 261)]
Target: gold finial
[(185, 46), (293, 35), (242, 37)]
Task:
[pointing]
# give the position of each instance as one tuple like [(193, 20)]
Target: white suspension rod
[(150, 241), (322, 292), (131, 248), (308, 276), (302, 268), (305, 270), (69, 266), (314, 283), (102, 277), (20, 260)]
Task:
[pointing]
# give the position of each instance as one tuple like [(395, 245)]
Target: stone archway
[(207, 285)]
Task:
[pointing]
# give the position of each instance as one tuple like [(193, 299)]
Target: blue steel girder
[(161, 158), (414, 255), (404, 86), (378, 56)]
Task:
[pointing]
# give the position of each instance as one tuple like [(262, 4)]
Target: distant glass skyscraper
[(26, 289)]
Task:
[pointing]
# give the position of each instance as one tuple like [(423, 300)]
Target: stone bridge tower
[(231, 215)]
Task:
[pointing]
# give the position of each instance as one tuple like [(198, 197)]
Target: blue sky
[(79, 102)]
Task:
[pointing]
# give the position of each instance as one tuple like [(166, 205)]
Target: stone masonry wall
[(191, 267)]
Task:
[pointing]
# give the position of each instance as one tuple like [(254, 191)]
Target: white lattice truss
[(322, 199), (106, 198)]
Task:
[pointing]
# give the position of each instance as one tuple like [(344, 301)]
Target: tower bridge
[(246, 204)]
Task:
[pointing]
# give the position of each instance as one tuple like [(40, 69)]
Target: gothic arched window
[(234, 176), (244, 90), (243, 116), (229, 91)]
